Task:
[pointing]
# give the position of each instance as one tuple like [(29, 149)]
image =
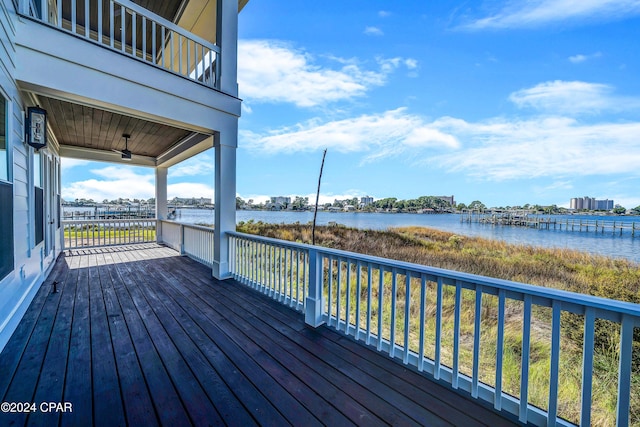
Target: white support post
[(182, 251), (313, 304), (225, 143), (227, 40), (161, 200)]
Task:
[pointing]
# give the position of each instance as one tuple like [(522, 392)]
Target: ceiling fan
[(126, 154)]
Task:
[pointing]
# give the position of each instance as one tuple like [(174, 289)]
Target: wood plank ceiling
[(81, 126)]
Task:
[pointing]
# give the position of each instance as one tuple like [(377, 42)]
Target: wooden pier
[(524, 218)]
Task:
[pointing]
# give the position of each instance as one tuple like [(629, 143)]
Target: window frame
[(7, 141), (7, 244)]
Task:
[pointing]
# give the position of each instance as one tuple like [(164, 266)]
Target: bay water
[(608, 243)]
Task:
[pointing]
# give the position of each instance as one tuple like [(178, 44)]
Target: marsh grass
[(557, 268)]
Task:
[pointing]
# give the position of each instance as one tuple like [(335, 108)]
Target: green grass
[(562, 269)]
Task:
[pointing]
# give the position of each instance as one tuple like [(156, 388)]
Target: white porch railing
[(107, 232), (400, 308), (274, 267), (195, 241), (123, 26)]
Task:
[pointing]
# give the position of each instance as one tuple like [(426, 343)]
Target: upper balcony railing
[(125, 27)]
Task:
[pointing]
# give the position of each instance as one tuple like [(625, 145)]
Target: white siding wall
[(19, 287)]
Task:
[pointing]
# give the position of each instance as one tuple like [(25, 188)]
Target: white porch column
[(225, 143), (161, 199), (227, 39)]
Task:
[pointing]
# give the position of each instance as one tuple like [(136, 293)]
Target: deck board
[(138, 335), (78, 381)]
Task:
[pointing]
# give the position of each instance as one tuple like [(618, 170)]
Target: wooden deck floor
[(140, 336)]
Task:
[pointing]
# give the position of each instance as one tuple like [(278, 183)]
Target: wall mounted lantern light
[(36, 127)]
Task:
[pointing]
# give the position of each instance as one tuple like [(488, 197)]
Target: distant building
[(192, 201), (603, 205), (281, 200), (366, 201), (279, 203), (447, 199), (573, 204), (590, 203)]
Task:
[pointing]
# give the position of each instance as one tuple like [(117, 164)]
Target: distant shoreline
[(457, 212)]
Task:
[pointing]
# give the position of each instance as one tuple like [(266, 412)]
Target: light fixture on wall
[(126, 154), (36, 127)]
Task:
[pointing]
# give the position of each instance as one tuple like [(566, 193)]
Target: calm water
[(608, 244), (605, 244)]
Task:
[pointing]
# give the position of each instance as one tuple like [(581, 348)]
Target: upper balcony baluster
[(127, 28)]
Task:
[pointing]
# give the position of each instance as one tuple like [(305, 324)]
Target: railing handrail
[(103, 221), (587, 301), (184, 224), (168, 24)]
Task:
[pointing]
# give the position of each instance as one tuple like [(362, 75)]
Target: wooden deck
[(141, 336)]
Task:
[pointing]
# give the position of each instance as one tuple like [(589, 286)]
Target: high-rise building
[(590, 203), (574, 203), (366, 200)]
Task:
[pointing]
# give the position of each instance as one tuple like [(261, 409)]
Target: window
[(4, 152), (6, 197), (39, 198)]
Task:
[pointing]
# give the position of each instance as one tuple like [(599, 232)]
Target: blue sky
[(504, 101)]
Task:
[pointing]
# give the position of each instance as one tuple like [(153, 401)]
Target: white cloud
[(573, 98), (274, 71), (68, 163), (552, 188), (551, 146), (113, 182), (246, 109), (199, 165), (116, 173), (388, 65), (116, 182), (555, 144), (189, 189), (383, 13), (535, 13), (411, 63), (379, 135), (625, 200), (577, 59), (373, 31)]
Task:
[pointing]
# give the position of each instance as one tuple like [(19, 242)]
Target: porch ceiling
[(81, 126)]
